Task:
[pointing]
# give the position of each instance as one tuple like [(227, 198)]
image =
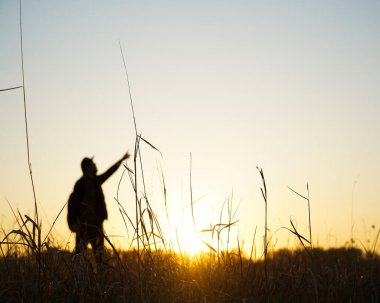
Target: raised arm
[(108, 173)]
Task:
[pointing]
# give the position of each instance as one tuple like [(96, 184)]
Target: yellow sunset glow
[(189, 241)]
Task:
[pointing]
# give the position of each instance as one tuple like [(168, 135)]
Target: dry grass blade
[(14, 215), (158, 226), (297, 193), (240, 255), (263, 191), (143, 227), (118, 185), (153, 218), (226, 225), (16, 232), (115, 251), (27, 241), (251, 253), (367, 251), (209, 246), (37, 228), (150, 144), (151, 222), (128, 169), (11, 88), (129, 87), (31, 236), (124, 213), (221, 211), (121, 208), (56, 218), (296, 233), (29, 219), (309, 210), (299, 236), (375, 243), (206, 230), (163, 184), (131, 179)]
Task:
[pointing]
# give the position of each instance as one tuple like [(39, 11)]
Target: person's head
[(88, 167)]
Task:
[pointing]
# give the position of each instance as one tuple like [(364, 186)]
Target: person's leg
[(81, 240), (97, 243)]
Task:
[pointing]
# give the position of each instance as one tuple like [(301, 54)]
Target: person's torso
[(93, 201)]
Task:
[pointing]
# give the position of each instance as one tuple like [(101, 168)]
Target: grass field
[(334, 275)]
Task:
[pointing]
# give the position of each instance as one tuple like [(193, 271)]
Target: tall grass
[(335, 275), (26, 119), (265, 197)]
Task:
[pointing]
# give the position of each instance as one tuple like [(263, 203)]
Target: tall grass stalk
[(26, 119), (253, 247), (36, 226), (265, 197), (147, 229), (191, 191), (137, 204), (352, 209)]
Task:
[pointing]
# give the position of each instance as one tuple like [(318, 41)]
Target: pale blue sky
[(291, 86)]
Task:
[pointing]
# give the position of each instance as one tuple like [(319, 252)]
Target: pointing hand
[(126, 156)]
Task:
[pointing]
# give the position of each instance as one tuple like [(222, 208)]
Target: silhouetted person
[(87, 208)]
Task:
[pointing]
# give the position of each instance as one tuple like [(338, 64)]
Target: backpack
[(74, 205)]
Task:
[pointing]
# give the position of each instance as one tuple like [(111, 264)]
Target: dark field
[(334, 275)]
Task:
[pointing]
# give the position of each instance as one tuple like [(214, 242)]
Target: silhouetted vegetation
[(334, 275)]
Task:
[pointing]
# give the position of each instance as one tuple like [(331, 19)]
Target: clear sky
[(289, 86)]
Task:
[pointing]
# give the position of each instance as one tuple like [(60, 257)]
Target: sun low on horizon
[(216, 91)]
